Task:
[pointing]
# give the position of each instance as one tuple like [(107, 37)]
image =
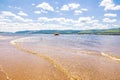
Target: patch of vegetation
[(115, 31)]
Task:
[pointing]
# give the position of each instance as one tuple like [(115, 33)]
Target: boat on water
[(56, 34)]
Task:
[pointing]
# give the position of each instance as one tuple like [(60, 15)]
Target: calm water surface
[(85, 57), (102, 43)]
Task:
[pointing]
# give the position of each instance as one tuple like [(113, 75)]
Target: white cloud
[(110, 15), (99, 26), (84, 9), (65, 8), (109, 5), (77, 12), (7, 13), (37, 12), (40, 11), (108, 20), (12, 27), (69, 22), (86, 19), (21, 13), (17, 23), (43, 11), (33, 4), (10, 21), (71, 6), (3, 20), (45, 6), (13, 17), (56, 20), (115, 26), (75, 7), (19, 8)]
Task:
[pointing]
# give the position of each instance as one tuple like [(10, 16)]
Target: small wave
[(26, 39), (110, 56)]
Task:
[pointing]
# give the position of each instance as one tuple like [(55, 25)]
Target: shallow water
[(86, 57), (16, 64), (100, 43)]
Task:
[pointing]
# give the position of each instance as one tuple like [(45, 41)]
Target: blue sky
[(17, 15)]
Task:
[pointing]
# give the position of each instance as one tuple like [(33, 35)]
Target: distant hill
[(49, 32), (115, 31)]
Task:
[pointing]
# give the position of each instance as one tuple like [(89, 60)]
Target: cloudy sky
[(17, 15)]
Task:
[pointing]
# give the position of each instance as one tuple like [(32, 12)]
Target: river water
[(100, 43), (86, 57)]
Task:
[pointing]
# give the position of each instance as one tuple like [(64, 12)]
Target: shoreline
[(16, 61), (57, 66), (48, 62), (83, 71)]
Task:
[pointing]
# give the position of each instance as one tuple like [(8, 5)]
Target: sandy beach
[(17, 65), (24, 61)]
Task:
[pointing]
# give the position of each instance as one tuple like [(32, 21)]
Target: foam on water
[(26, 39), (110, 56)]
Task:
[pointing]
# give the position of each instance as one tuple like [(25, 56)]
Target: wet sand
[(19, 65), (32, 61)]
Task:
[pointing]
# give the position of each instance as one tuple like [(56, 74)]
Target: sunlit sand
[(18, 65)]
